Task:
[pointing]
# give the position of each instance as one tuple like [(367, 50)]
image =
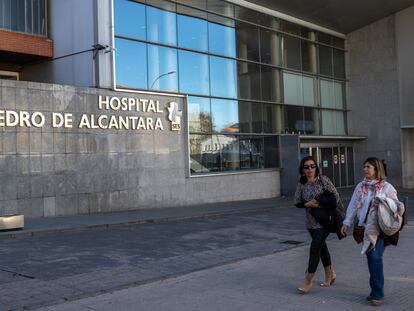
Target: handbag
[(358, 231)]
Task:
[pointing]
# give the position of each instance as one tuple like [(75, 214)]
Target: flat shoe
[(375, 302), (368, 298)]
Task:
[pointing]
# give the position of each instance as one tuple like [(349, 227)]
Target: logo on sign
[(174, 115)]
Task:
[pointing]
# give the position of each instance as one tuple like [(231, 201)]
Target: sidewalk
[(53, 225), (72, 258), (268, 283)]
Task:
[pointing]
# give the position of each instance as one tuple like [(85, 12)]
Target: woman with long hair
[(311, 185), (365, 196)]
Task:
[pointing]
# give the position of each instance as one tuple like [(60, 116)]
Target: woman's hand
[(344, 229), (312, 204)]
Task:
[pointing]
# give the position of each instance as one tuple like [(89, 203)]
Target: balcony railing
[(27, 16)]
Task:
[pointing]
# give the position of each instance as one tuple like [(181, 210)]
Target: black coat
[(331, 219)]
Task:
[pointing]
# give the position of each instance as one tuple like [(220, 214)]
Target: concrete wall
[(404, 26), (373, 95), (55, 171), (72, 29), (405, 51), (407, 138)]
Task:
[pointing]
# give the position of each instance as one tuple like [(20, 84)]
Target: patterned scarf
[(368, 185)]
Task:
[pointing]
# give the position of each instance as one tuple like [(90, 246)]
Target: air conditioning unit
[(11, 222)]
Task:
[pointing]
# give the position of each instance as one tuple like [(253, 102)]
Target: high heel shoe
[(308, 283), (330, 277)]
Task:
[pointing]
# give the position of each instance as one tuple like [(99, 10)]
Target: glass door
[(336, 162)]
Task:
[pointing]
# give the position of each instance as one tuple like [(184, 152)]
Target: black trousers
[(318, 249)]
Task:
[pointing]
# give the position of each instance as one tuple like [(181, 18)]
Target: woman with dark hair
[(365, 197), (311, 185)]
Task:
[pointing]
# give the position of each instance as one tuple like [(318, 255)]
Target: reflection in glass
[(225, 115), (194, 73), (223, 77), (325, 60), (308, 56), (161, 26), (222, 39), (192, 33), (220, 7), (270, 78), (293, 119), (272, 119), (247, 41), (257, 118), (249, 80), (162, 68), (295, 29), (311, 121), (199, 116), (129, 19), (251, 152), (246, 14), (339, 63), (271, 152), (131, 64), (200, 153), (333, 122), (214, 153), (270, 47), (201, 4), (291, 52), (226, 153), (245, 117)]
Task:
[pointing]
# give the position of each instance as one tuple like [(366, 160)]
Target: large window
[(222, 38), (249, 76), (24, 16), (223, 77), (247, 41), (130, 20), (161, 26), (299, 90), (194, 73), (162, 68), (131, 71), (192, 31)]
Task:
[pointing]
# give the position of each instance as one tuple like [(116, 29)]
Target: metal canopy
[(338, 15)]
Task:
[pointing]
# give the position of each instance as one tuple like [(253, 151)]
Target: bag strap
[(366, 215)]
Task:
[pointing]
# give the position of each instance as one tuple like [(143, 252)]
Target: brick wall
[(22, 43)]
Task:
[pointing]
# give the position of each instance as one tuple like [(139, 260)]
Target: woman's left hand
[(312, 204)]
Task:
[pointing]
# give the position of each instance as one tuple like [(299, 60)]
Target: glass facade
[(27, 16), (250, 76)]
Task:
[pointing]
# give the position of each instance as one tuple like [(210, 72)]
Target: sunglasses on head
[(305, 167)]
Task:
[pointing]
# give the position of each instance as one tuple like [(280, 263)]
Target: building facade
[(156, 103)]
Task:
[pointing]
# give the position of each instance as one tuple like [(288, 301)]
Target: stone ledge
[(11, 222)]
